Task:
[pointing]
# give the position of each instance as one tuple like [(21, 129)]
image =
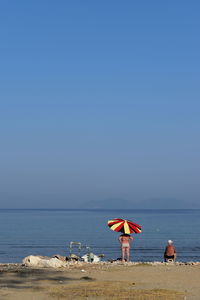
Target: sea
[(49, 232)]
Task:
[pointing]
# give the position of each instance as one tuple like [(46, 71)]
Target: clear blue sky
[(99, 100)]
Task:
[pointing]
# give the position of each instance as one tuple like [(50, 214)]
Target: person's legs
[(127, 253), (169, 258), (123, 254)]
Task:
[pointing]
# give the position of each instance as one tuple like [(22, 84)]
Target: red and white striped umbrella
[(124, 226)]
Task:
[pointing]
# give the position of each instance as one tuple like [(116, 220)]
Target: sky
[(99, 102)]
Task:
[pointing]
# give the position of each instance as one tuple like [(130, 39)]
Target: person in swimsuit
[(170, 252), (125, 240)]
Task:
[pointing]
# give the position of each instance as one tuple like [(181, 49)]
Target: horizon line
[(24, 208)]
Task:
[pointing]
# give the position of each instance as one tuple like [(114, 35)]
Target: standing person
[(125, 240), (170, 252)]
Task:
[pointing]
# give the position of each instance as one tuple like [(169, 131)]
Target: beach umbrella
[(124, 226)]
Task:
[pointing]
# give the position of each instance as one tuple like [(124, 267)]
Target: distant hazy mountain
[(108, 204), (166, 203), (146, 204)]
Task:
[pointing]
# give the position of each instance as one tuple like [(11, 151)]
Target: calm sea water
[(49, 232)]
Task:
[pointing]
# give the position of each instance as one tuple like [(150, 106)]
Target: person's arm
[(174, 253), (165, 252)]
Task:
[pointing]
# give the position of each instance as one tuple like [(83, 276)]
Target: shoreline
[(131, 263)]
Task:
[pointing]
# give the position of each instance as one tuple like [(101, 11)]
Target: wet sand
[(101, 281)]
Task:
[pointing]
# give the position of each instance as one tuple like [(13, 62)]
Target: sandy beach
[(101, 281)]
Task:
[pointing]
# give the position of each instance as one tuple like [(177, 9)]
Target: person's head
[(170, 242)]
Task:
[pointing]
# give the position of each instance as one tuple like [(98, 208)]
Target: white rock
[(36, 261), (91, 258)]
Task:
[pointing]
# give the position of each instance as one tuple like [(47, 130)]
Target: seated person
[(170, 252)]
